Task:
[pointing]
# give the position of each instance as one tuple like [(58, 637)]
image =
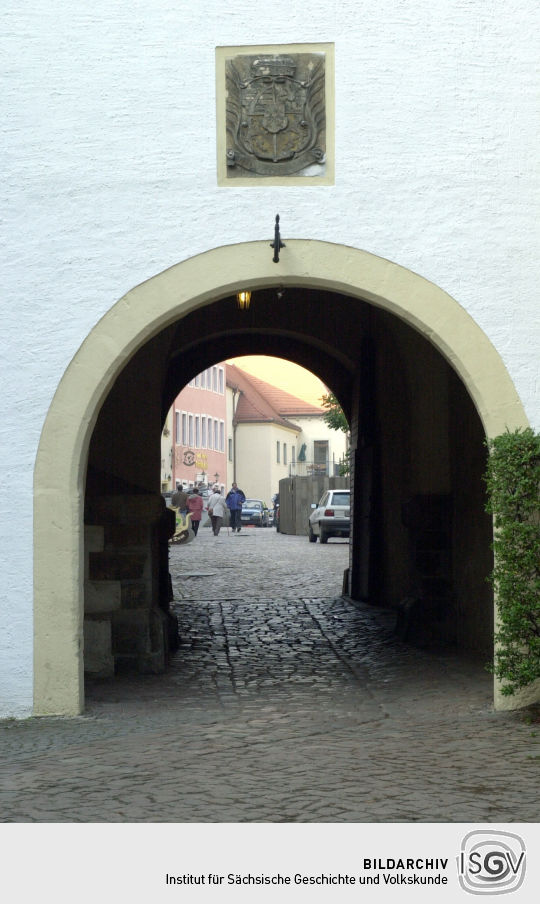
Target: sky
[(285, 375)]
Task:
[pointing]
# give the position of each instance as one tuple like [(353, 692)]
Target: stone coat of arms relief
[(275, 114)]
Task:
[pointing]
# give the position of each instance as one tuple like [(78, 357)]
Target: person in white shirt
[(217, 509)]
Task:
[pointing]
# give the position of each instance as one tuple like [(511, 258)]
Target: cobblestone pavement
[(285, 703)]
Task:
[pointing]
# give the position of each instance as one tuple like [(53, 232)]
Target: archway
[(140, 317)]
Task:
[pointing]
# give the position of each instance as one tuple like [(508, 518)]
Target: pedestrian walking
[(179, 499), (234, 499), (195, 505), (217, 509)]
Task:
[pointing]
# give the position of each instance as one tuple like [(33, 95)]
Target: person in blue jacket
[(234, 499)]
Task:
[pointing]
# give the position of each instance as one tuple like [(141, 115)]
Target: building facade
[(274, 435), (408, 282), (200, 430), (167, 459)]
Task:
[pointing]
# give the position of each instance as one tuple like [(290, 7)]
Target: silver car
[(331, 517)]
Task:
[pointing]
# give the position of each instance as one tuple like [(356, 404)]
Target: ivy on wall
[(513, 485)]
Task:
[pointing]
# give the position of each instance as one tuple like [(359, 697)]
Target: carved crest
[(275, 113)]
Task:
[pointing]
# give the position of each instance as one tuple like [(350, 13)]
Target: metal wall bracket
[(277, 244)]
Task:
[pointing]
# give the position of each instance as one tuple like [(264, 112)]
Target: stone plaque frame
[(275, 115)]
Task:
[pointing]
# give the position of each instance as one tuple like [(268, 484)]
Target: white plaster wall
[(258, 471), (229, 432), (314, 428), (108, 130)]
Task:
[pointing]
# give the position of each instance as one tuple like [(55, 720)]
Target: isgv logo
[(491, 863)]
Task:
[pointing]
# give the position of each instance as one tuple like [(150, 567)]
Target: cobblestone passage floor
[(285, 703)]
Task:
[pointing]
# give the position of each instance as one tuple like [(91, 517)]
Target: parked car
[(331, 517), (254, 511)]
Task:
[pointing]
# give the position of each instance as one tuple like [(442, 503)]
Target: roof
[(260, 402)]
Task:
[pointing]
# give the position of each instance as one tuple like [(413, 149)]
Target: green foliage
[(334, 416), (345, 464), (513, 484)]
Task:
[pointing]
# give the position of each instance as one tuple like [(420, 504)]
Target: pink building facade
[(199, 431)]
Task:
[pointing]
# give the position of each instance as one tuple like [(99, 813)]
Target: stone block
[(116, 566), (102, 596), (131, 632), (98, 658), (134, 595), (155, 662), (126, 535), (93, 538), (144, 508), (140, 635)]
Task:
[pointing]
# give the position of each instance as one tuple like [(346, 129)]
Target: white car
[(331, 517)]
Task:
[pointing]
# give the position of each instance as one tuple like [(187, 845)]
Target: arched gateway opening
[(421, 385)]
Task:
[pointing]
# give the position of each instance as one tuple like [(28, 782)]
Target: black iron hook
[(277, 244)]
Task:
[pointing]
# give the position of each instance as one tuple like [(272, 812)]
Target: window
[(177, 433), (209, 378), (278, 459), (230, 449), (203, 380), (210, 434), (214, 379), (284, 453), (184, 429), (198, 380), (293, 454), (216, 436), (320, 453), (197, 431), (343, 498), (221, 436), (190, 430), (203, 431), (220, 375)]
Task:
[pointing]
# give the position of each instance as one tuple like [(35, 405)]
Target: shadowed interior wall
[(421, 449), (123, 448), (473, 527)]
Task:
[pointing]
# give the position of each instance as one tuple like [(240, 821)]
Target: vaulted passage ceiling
[(318, 330)]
